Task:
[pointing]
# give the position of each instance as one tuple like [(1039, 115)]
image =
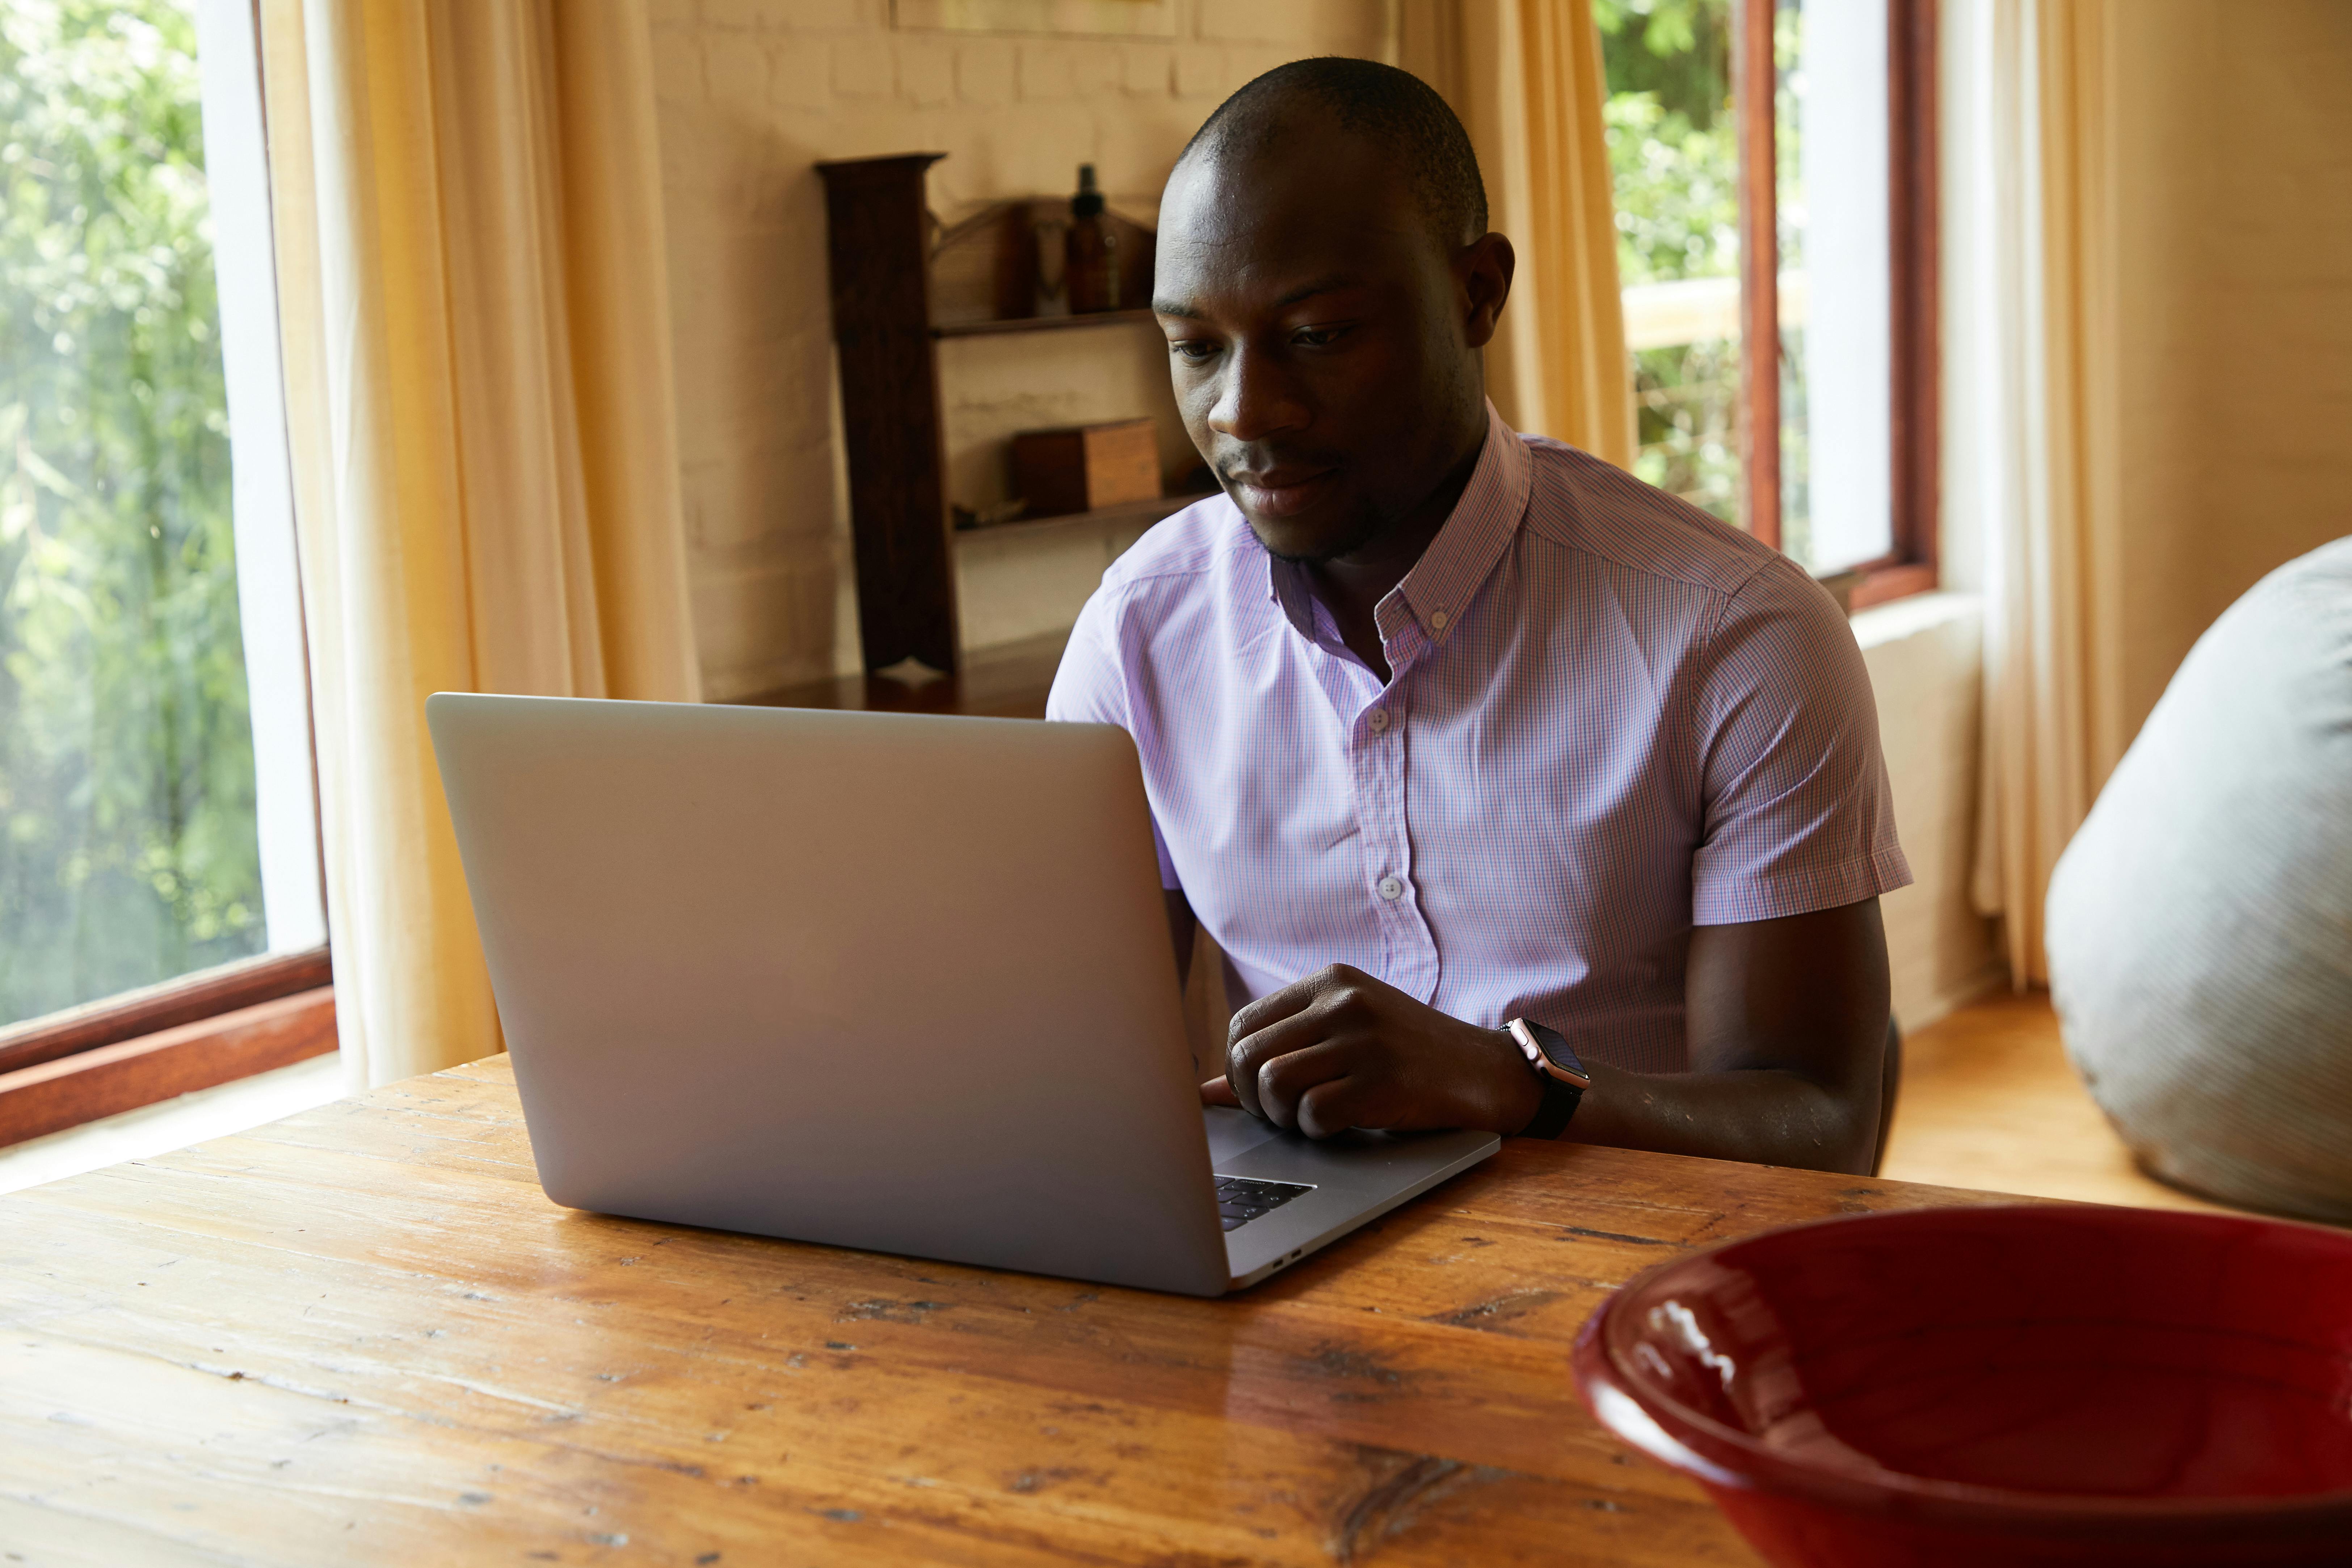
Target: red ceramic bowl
[(2009, 1385)]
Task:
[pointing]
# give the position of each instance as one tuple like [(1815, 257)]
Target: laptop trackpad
[(1233, 1131)]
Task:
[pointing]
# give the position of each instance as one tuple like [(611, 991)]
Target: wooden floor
[(1989, 1100)]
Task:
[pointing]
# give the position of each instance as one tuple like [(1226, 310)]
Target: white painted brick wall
[(753, 93)]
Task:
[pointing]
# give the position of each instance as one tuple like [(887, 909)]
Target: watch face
[(1548, 1051)]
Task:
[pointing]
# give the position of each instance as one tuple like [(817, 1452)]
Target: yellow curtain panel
[(1574, 375), (1526, 78), (474, 305), (2037, 466)]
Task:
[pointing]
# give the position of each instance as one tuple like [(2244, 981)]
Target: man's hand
[(1341, 1050), (1787, 1024)]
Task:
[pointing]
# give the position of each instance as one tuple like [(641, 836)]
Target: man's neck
[(1352, 585)]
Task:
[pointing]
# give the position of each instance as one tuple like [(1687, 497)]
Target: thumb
[(1217, 1091)]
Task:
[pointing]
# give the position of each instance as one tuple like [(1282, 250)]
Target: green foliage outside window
[(1673, 158), (127, 839)]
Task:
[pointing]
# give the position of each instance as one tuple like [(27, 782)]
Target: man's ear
[(1484, 265)]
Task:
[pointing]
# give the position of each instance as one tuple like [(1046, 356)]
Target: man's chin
[(1310, 541)]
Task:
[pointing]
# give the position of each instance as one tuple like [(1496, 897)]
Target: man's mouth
[(1280, 492)]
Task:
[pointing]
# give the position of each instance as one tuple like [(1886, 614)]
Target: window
[(1774, 175), (159, 858)]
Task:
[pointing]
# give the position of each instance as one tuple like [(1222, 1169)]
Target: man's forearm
[(1788, 1072), (1767, 1116)]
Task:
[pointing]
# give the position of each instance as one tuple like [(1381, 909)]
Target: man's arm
[(1787, 1022), (1788, 1041)]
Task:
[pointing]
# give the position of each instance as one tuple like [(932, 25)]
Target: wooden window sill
[(94, 1081), (189, 999)]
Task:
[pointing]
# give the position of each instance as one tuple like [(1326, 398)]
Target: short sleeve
[(1090, 687), (1798, 814)]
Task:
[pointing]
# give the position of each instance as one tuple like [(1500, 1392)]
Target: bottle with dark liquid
[(1091, 274)]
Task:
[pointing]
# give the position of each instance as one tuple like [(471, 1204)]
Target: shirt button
[(1379, 719), (1437, 619), (1390, 888)]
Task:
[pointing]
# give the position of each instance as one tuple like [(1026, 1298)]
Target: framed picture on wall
[(1056, 19)]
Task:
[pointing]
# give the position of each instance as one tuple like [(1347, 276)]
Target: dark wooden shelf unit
[(884, 247)]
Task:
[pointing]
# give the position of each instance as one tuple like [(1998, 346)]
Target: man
[(1444, 726)]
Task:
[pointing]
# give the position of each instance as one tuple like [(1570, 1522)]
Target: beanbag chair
[(2200, 926)]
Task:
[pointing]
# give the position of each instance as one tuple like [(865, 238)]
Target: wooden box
[(1082, 467)]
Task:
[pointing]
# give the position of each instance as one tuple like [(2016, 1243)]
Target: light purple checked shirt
[(1611, 718)]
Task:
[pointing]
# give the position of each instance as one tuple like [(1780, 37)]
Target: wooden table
[(362, 1335)]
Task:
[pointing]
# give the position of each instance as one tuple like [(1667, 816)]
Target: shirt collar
[(1419, 610), (1460, 559)]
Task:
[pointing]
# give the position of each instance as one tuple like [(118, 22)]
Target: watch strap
[(1552, 1118), (1564, 1077)]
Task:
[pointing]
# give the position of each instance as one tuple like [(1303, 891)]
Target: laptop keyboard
[(1241, 1200)]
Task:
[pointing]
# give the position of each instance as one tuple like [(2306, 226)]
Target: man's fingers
[(1285, 1081), (1248, 1056), (1295, 997), (1341, 1050), (1336, 1104), (1217, 1091), (1275, 1007)]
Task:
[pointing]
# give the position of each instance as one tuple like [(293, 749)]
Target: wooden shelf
[(1005, 682), (1039, 323), (1134, 512), (895, 273)]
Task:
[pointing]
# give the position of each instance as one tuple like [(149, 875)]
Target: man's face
[(1317, 338)]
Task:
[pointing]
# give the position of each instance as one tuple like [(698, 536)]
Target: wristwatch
[(1564, 1077)]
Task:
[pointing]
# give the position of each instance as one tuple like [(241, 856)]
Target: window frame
[(1911, 565), (194, 1031), (66, 1069)]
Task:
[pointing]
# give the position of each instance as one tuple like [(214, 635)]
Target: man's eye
[(1192, 350), (1317, 337)]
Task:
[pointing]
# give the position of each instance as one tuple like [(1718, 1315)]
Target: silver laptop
[(882, 980)]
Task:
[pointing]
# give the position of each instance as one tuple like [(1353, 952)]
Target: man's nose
[(1256, 398)]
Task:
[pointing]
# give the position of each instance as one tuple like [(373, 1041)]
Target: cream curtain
[(1526, 78), (467, 204), (2032, 451)]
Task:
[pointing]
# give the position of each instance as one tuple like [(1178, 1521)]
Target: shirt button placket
[(1412, 949), (1377, 820), (1371, 826), (1394, 849)]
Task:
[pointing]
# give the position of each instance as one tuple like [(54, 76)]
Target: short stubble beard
[(1372, 527)]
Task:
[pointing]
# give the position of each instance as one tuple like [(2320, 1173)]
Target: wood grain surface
[(363, 1335)]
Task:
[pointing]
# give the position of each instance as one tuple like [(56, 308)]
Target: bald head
[(1326, 282), (1409, 126)]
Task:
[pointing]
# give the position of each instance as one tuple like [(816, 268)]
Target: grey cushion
[(2199, 925)]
